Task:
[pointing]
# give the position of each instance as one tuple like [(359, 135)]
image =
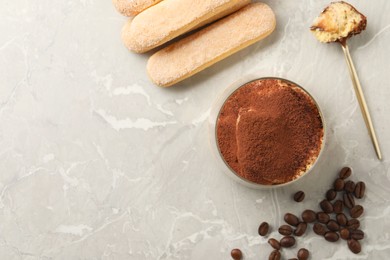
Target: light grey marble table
[(98, 163)]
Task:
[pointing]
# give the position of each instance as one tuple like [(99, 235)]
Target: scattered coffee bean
[(349, 186), (275, 255), (291, 219), (341, 219), (331, 236), (338, 206), (344, 233), (326, 206), (331, 194), (303, 254), (319, 229), (360, 189), (348, 199), (322, 217), (357, 234), (330, 229), (309, 216), (299, 196), (333, 225), (345, 173), (338, 184), (274, 243), (236, 254), (356, 211), (263, 229), (301, 229), (353, 224), (285, 230), (354, 246), (287, 241)]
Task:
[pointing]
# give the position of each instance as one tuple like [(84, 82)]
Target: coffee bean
[(357, 234), (360, 189), (322, 217), (354, 246), (345, 173), (291, 219), (344, 233), (326, 206), (285, 230), (303, 254), (301, 229), (331, 236), (309, 216), (319, 229), (331, 194), (338, 206), (356, 211), (348, 199), (353, 224), (236, 254), (287, 241), (333, 225), (349, 186), (275, 255), (341, 219), (299, 196), (274, 243), (263, 229), (338, 184)]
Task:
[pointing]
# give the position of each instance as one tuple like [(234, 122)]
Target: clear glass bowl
[(214, 114)]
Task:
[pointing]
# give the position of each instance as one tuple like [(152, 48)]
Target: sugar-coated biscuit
[(171, 18), (211, 44)]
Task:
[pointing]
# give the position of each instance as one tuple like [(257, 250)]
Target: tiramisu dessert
[(338, 22), (269, 131)]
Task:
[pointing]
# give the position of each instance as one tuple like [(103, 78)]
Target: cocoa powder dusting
[(269, 131)]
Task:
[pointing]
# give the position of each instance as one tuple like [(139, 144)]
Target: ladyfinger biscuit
[(211, 44), (133, 7), (171, 18)]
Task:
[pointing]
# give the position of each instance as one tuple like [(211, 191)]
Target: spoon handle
[(361, 100)]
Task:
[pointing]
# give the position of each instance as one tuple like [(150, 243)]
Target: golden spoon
[(337, 23)]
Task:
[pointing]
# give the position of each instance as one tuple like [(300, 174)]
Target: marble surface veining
[(98, 163)]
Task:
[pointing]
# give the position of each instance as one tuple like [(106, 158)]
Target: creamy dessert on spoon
[(338, 22)]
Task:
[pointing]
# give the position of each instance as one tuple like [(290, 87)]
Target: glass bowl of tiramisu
[(266, 132)]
